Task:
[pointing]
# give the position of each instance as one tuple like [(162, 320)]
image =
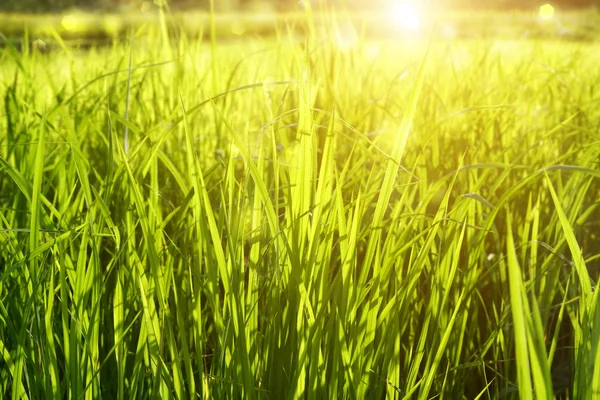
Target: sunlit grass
[(311, 214)]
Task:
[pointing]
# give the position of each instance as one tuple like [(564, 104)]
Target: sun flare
[(407, 16)]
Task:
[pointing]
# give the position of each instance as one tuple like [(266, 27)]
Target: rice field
[(315, 213)]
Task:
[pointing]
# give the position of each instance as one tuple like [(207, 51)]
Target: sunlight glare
[(546, 11), (407, 16)]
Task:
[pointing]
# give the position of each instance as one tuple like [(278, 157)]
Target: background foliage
[(60, 5)]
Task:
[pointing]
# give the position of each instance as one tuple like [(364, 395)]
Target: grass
[(299, 216)]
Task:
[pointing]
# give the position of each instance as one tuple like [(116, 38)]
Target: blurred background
[(45, 6), (88, 22)]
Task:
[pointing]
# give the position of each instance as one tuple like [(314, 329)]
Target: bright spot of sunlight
[(546, 11), (73, 23), (407, 16)]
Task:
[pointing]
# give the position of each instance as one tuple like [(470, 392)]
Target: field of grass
[(313, 214)]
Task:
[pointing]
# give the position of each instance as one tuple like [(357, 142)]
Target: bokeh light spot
[(73, 23), (546, 11)]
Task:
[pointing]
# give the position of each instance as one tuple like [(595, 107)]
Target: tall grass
[(297, 218)]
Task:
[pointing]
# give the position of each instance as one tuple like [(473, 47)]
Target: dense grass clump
[(324, 217)]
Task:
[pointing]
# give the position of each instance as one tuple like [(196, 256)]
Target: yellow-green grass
[(300, 217)]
